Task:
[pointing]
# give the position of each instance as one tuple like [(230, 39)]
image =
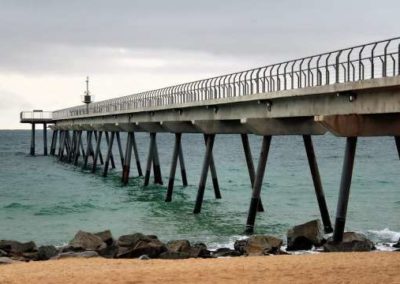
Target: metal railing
[(36, 115), (367, 61)]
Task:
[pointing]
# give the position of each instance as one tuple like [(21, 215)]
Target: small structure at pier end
[(352, 92), (37, 117)]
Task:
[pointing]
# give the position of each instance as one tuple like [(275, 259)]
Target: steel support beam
[(127, 160), (174, 163), (344, 193), (204, 172), (98, 152), (32, 152), (44, 139), (214, 176), (250, 165), (109, 153), (258, 180), (319, 191), (182, 166)]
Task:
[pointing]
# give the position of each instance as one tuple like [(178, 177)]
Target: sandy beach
[(376, 267)]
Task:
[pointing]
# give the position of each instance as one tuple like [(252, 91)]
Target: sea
[(48, 201)]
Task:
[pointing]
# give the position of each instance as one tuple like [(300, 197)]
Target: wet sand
[(374, 267)]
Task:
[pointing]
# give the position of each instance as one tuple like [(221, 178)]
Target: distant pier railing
[(373, 60), (36, 116)]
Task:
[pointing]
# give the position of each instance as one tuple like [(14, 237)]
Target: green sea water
[(47, 201)]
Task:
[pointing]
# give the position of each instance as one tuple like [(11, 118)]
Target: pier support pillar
[(312, 161), (204, 172), (213, 170), (182, 165), (136, 153), (121, 153), (109, 153), (88, 148), (32, 152), (156, 162), (127, 159), (250, 165), (98, 152), (45, 139), (108, 143), (258, 180), (174, 163), (78, 147), (153, 159), (96, 139), (344, 193), (54, 143), (397, 140)]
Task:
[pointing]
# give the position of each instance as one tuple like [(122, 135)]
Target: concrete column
[(33, 140), (344, 193)]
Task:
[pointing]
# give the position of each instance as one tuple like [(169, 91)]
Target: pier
[(352, 92)]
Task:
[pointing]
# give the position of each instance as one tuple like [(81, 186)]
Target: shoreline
[(355, 267)]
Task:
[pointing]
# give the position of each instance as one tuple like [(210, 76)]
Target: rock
[(351, 242), (109, 251), (130, 240), (87, 241), (144, 257), (240, 246), (28, 256), (179, 246), (261, 245), (6, 260), (106, 237), (223, 252), (17, 248), (397, 245), (135, 245), (199, 250), (46, 252), (84, 254), (69, 248), (305, 236), (174, 255), (3, 253)]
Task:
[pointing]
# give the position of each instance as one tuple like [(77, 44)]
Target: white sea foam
[(385, 235)]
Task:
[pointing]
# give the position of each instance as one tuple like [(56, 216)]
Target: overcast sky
[(48, 47)]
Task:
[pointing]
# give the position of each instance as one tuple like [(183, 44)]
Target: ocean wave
[(63, 210), (385, 235), (16, 205)]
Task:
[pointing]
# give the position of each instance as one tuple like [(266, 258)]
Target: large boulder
[(106, 237), (200, 250), (351, 242), (224, 252), (86, 241), (46, 252), (3, 253), (259, 245), (397, 245), (135, 245), (109, 251), (6, 260), (17, 248), (305, 236), (179, 246), (130, 240)]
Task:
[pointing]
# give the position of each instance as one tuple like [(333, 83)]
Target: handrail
[(372, 60)]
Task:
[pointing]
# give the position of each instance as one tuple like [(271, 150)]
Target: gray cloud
[(247, 29)]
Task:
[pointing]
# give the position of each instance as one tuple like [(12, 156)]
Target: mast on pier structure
[(87, 99)]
